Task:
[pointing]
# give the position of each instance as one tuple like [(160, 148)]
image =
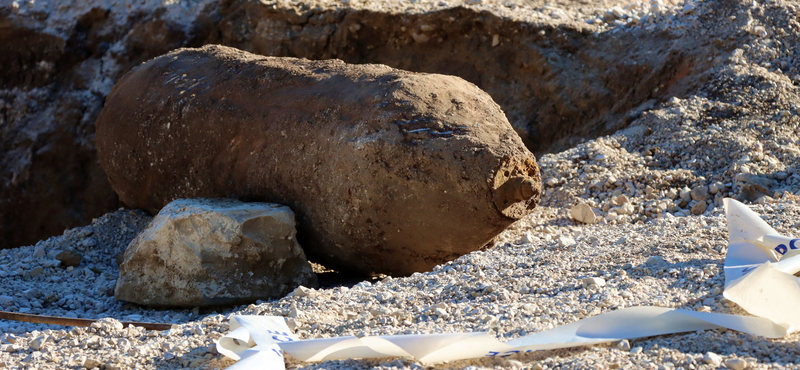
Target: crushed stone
[(651, 244)]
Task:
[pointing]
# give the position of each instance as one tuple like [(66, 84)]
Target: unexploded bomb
[(388, 171)]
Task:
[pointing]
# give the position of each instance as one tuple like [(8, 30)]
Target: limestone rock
[(69, 258), (700, 193), (753, 186), (593, 281), (583, 213), (202, 252), (736, 364), (699, 208), (389, 171), (712, 359)]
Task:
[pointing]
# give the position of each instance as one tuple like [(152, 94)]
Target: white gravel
[(659, 237)]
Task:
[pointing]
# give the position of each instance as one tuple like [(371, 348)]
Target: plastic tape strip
[(759, 277)]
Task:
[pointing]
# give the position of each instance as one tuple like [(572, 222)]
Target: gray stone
[(712, 359), (752, 186), (203, 252), (39, 253), (593, 281), (699, 208), (736, 364), (69, 258), (686, 194), (6, 301), (700, 193), (32, 293), (583, 213)]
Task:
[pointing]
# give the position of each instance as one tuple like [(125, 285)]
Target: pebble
[(37, 344), (593, 282), (621, 200), (6, 301), (565, 241), (624, 209), (699, 208), (527, 238), (39, 253), (736, 364), (624, 345), (700, 193), (91, 363), (36, 271), (69, 258), (686, 194), (583, 213), (712, 359)]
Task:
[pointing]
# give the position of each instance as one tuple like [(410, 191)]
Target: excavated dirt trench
[(557, 83)]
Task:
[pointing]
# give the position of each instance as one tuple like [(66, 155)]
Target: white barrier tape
[(756, 278)]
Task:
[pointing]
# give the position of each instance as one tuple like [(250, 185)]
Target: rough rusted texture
[(388, 171)]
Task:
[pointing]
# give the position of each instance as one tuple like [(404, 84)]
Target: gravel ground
[(660, 237)]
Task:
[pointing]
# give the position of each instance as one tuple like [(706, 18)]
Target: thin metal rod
[(68, 321)]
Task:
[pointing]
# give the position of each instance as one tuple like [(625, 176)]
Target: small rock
[(530, 308), (736, 364), (583, 213), (302, 291), (621, 200), (39, 252), (6, 301), (593, 281), (636, 350), (624, 345), (552, 182), (37, 343), (90, 363), (36, 271), (714, 188), (699, 208), (420, 38), (508, 363), (565, 241), (69, 258), (700, 193), (759, 31), (686, 194), (8, 338), (32, 293), (712, 359), (672, 194), (107, 324), (89, 242), (752, 186), (527, 238), (625, 209)]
